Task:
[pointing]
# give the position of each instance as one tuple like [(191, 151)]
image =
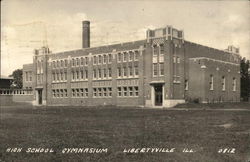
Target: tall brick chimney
[(85, 34)]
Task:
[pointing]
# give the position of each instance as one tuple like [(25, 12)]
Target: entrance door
[(158, 95), (40, 96)]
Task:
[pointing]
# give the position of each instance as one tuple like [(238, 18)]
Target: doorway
[(40, 96), (158, 95)]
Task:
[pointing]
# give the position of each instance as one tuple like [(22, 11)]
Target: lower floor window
[(128, 91)]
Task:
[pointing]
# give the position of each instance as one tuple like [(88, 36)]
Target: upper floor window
[(105, 59), (131, 55), (94, 73), (155, 50), (119, 71), (65, 63), (54, 64), (119, 59), (95, 60), (104, 73), (100, 73), (86, 60), (211, 83), (234, 84), (61, 63), (136, 55), (161, 49), (178, 60), (124, 71), (136, 70), (174, 59), (99, 59), (73, 62), (58, 64), (154, 69), (77, 61), (110, 58), (161, 72), (186, 85), (109, 72), (125, 56), (82, 61), (223, 83)]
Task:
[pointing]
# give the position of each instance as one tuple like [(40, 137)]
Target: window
[(58, 64), (65, 63), (86, 60), (94, 73), (82, 74), (110, 58), (234, 84), (82, 61), (211, 83), (82, 92), (95, 60), (119, 71), (30, 76), (65, 75), (136, 55), (61, 63), (105, 92), (61, 93), (58, 77), (155, 50), (53, 93), (26, 75), (77, 93), (57, 93), (73, 93), (136, 91), (154, 69), (131, 55), (77, 61), (124, 71), (130, 91), (125, 93), (110, 92), (54, 76), (104, 73), (100, 73), (61, 75), (105, 59), (119, 91), (136, 70), (54, 64), (86, 74), (77, 75), (223, 83), (73, 62), (174, 59), (119, 58), (99, 59), (94, 92), (161, 49), (65, 93), (161, 69), (100, 92), (130, 71), (186, 85), (110, 72), (178, 60), (86, 92), (125, 56)]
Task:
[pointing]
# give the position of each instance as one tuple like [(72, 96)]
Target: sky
[(30, 24)]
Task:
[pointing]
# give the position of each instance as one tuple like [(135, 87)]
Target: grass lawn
[(118, 128)]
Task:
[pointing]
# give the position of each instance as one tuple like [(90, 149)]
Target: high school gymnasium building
[(160, 71)]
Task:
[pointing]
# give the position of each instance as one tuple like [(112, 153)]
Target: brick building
[(160, 71)]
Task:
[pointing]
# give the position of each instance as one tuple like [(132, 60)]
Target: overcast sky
[(29, 24)]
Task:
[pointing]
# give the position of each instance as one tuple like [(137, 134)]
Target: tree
[(245, 79), (17, 78)]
